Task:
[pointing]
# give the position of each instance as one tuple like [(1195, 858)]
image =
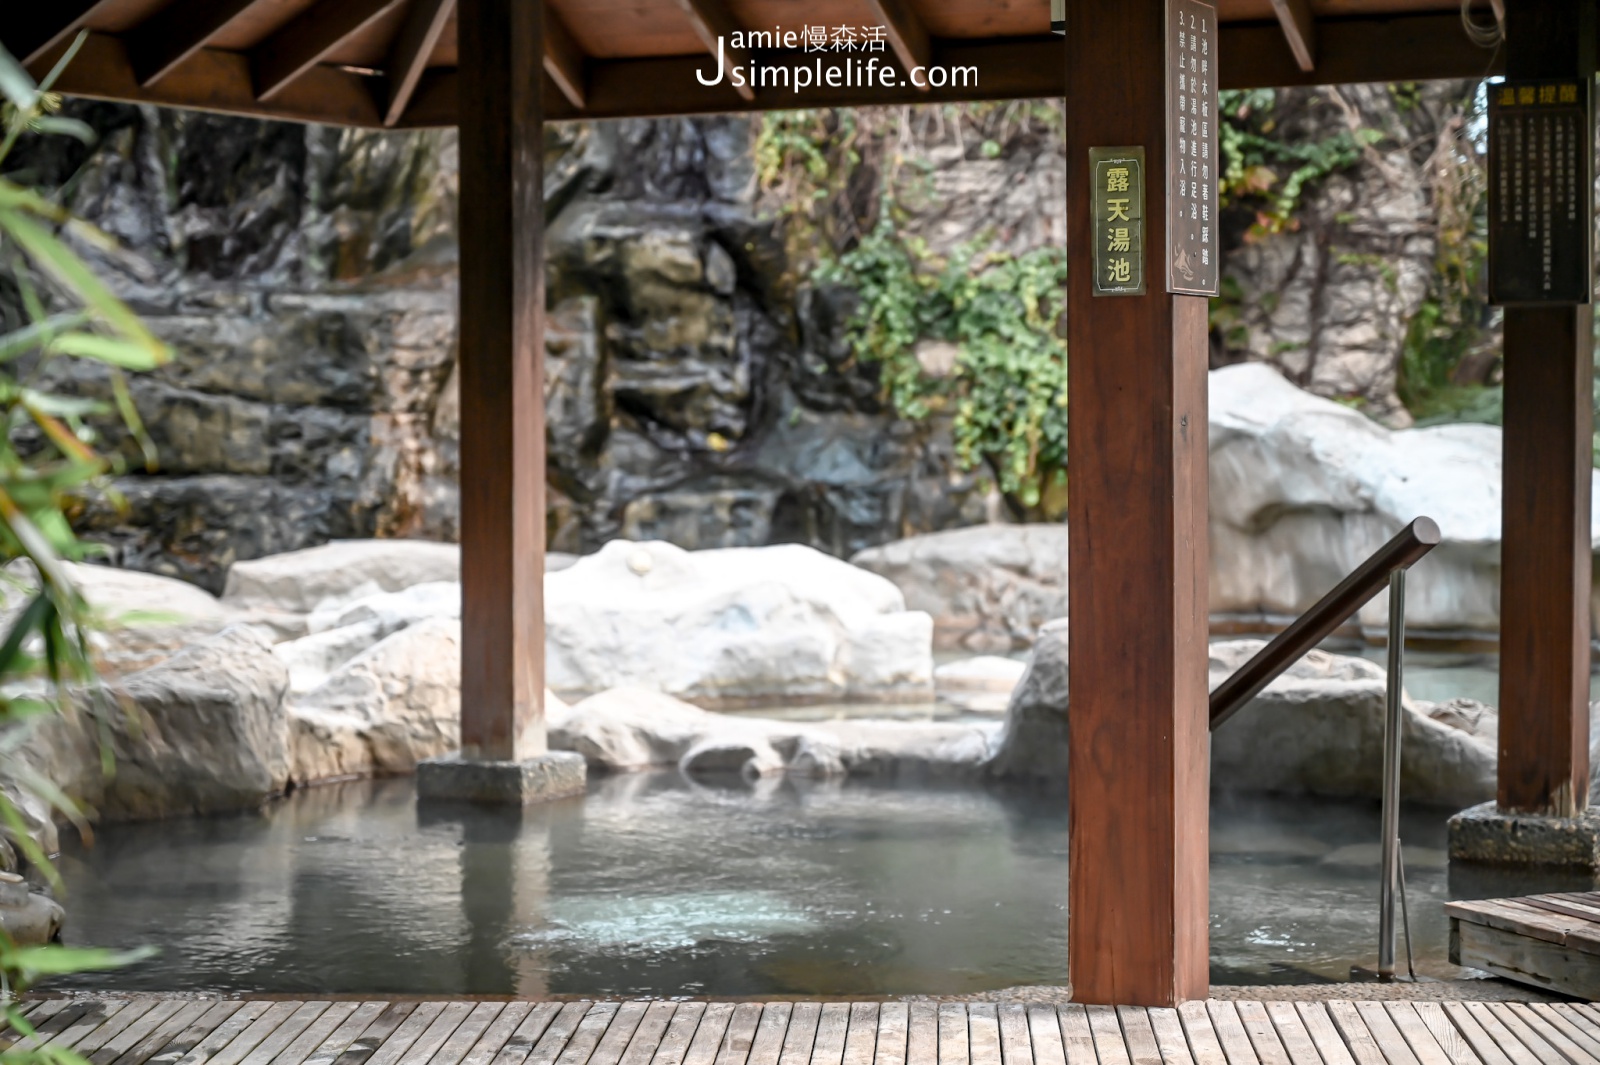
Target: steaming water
[(652, 885), (655, 886)]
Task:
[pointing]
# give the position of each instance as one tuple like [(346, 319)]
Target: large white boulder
[(320, 578), (733, 626), (339, 632), (389, 707), (988, 587), (203, 732), (634, 728), (1303, 489), (1317, 729), (139, 618)]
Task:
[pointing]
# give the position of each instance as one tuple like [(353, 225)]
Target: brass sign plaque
[(1116, 177), (1192, 254), (1540, 192)]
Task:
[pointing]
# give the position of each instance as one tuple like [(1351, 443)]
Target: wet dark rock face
[(697, 389), (306, 277)]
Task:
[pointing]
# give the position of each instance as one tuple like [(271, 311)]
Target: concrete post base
[(1483, 834), (552, 775)]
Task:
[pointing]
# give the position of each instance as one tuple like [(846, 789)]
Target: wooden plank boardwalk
[(152, 1029), (1547, 941)]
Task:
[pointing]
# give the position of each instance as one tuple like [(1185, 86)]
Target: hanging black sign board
[(1541, 191)]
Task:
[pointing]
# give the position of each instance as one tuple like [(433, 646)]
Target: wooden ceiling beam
[(1401, 48), (176, 32), (37, 28), (213, 80), (715, 26), (1300, 30), (906, 34), (308, 38), (564, 60), (409, 54)]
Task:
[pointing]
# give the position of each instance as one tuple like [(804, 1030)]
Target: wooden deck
[(1547, 941), (183, 1031)]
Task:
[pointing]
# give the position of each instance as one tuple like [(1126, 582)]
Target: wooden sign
[(1192, 252), (1541, 192), (1117, 178)]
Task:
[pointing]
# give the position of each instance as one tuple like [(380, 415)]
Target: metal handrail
[(1331, 611), (1387, 566)]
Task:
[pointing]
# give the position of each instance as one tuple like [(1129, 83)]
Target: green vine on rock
[(1271, 175), (1005, 388)]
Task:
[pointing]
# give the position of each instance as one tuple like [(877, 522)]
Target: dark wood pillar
[(502, 392), (1545, 546), (1138, 731)]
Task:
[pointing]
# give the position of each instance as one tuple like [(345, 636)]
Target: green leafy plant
[(47, 465), (1006, 387), (843, 188), (1271, 174)]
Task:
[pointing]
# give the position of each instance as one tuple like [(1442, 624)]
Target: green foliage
[(1450, 325), (1271, 174), (47, 464), (1007, 388), (840, 183)]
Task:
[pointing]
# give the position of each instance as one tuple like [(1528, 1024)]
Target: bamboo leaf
[(59, 261), (70, 127), (15, 84), (53, 959), (125, 354), (61, 64), (32, 337)]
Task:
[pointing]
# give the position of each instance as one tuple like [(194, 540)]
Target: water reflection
[(652, 885)]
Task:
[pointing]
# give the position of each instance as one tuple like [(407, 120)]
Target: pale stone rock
[(733, 626), (139, 618), (385, 710), (202, 732), (1318, 729), (312, 658), (29, 918), (393, 610), (911, 750), (627, 728), (1304, 489), (634, 728), (988, 587), (1034, 741), (984, 673), (339, 572), (980, 685)]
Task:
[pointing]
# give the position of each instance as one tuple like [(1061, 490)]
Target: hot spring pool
[(655, 886)]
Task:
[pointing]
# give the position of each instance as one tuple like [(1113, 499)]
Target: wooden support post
[(1138, 732), (1545, 545), (502, 391)]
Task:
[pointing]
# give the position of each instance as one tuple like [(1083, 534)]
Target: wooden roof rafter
[(391, 63), (1299, 30)]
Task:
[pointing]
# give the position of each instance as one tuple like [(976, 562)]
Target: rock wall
[(697, 390)]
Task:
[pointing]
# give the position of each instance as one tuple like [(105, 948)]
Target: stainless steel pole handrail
[(1391, 773), (1329, 612), (1390, 563)]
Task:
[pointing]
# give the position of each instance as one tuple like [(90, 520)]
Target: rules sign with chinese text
[(1117, 178), (1540, 192), (1192, 254)]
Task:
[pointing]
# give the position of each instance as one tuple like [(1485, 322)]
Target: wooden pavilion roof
[(393, 62)]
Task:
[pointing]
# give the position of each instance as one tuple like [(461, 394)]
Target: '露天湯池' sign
[(1116, 177)]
